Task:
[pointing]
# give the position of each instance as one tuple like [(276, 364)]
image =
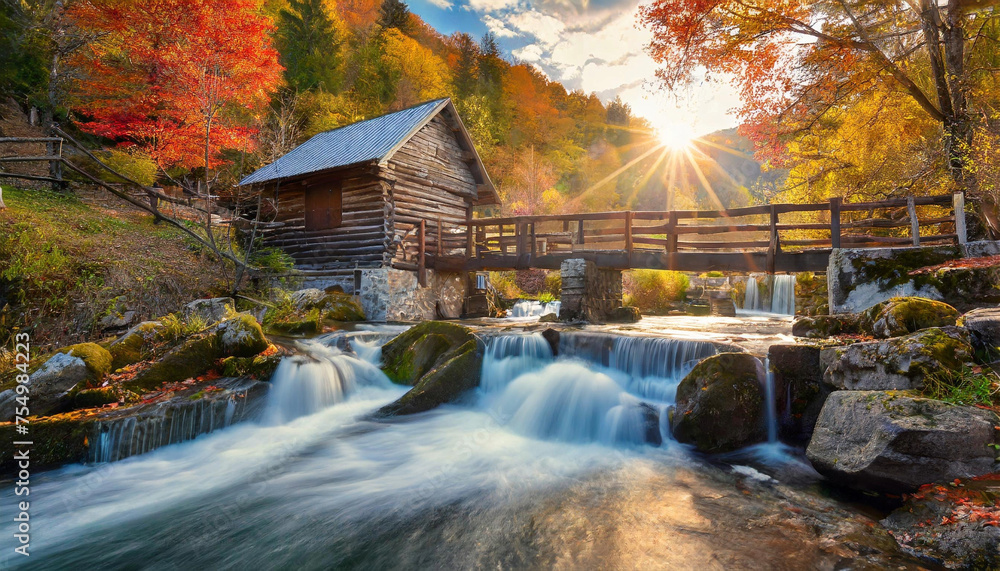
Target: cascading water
[(531, 308), (324, 376), (509, 356), (620, 401), (770, 404), (751, 297), (783, 294), (780, 302)]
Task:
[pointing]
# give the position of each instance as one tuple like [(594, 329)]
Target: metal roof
[(365, 141)]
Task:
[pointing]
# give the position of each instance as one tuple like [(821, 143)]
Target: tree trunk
[(958, 126)]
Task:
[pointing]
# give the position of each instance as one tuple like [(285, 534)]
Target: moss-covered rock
[(260, 367), (191, 358), (241, 336), (902, 315), (309, 324), (91, 398), (57, 440), (97, 359), (825, 326), (335, 306), (445, 383), (136, 344), (417, 350), (720, 404), (899, 363)]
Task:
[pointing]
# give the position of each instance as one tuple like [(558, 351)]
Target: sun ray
[(576, 200), (704, 181)]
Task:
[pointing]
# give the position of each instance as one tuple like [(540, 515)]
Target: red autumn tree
[(179, 78)]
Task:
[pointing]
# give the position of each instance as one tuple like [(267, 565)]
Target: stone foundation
[(589, 293), (388, 294)]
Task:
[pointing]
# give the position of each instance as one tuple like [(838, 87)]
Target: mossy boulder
[(238, 336), (210, 310), (96, 358), (825, 326), (335, 306), (902, 315), (447, 382), (720, 404), (308, 324), (899, 363), (241, 336), (419, 349), (259, 367), (136, 344)]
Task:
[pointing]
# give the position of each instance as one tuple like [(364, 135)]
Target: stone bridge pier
[(590, 293)]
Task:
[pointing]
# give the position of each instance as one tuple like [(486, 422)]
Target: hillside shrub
[(654, 291)]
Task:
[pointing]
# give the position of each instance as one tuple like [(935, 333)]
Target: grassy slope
[(65, 264)]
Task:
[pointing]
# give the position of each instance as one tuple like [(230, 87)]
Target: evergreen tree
[(310, 43), (619, 112), (466, 68), (394, 14)]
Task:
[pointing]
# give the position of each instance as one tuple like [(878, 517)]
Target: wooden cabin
[(350, 203)]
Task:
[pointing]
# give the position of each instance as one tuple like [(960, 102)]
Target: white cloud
[(491, 6), (498, 28), (443, 4), (529, 53), (542, 27)]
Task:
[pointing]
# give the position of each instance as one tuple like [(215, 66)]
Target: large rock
[(885, 441), (984, 326), (447, 382), (241, 336), (824, 326), (798, 388), (899, 363), (720, 404), (331, 305), (49, 387), (410, 355), (211, 310), (903, 315)]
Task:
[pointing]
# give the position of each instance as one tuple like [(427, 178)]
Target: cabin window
[(324, 207)]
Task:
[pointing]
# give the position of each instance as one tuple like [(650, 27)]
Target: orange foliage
[(174, 76)]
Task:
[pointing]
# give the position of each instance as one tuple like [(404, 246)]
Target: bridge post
[(628, 236), (835, 202), (911, 209), (672, 231), (774, 248), (958, 201), (589, 293)]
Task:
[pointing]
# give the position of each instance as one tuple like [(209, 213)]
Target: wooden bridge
[(770, 238)]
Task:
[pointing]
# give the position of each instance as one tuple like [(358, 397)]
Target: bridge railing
[(767, 228)]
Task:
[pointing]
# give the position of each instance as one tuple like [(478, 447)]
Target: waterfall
[(171, 422), (751, 297), (510, 356), (531, 308), (653, 366), (781, 300), (324, 376), (783, 294)]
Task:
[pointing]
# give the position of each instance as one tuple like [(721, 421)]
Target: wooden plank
[(47, 158), (911, 208), (29, 177), (31, 140)]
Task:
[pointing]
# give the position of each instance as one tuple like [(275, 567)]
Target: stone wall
[(388, 294), (589, 293), (858, 279)]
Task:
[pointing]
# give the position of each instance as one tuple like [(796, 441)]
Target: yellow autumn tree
[(422, 75)]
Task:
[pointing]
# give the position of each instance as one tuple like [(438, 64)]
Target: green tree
[(309, 40), (394, 14), (466, 66)]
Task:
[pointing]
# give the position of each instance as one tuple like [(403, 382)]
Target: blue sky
[(594, 45)]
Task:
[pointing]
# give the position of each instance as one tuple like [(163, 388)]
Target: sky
[(594, 45)]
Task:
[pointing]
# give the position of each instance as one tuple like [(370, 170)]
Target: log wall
[(430, 180), (360, 240)]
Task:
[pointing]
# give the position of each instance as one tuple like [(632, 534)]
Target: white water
[(318, 485), (780, 302), (531, 308), (770, 404)]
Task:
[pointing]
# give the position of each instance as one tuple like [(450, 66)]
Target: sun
[(675, 136)]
